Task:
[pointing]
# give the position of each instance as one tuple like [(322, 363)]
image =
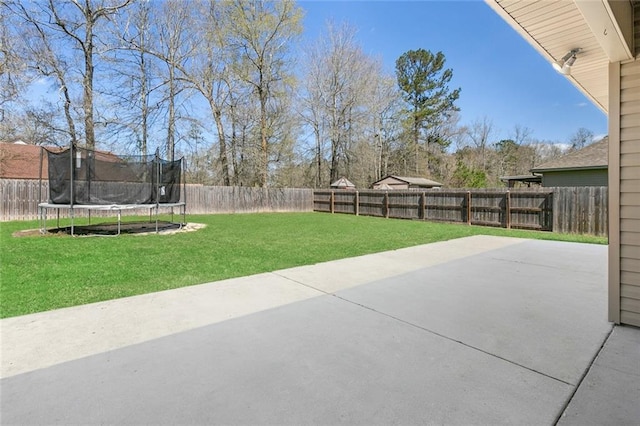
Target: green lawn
[(41, 273)]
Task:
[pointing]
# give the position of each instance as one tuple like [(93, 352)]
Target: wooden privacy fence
[(581, 210), (20, 200), (241, 199), (574, 210)]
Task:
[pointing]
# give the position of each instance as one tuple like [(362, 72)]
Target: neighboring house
[(343, 183), (607, 71), (584, 167), (19, 160), (403, 182)]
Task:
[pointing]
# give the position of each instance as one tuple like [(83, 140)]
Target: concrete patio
[(480, 330)]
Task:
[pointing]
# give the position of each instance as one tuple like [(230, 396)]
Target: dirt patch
[(28, 233), (111, 229)]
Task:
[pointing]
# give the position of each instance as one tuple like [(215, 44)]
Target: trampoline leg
[(43, 221), (119, 217)]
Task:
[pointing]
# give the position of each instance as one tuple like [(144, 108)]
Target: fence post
[(332, 199), (423, 205), (555, 210), (468, 207), (357, 203), (507, 205), (386, 205)]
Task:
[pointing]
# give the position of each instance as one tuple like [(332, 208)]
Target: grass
[(40, 273)]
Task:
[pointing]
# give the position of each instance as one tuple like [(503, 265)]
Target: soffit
[(553, 28)]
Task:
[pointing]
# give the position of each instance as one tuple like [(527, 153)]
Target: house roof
[(417, 181), (594, 156), (21, 161)]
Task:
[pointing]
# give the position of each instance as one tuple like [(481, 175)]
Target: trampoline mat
[(111, 228)]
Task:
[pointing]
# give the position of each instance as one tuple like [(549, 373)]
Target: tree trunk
[(334, 161), (172, 114), (144, 98), (67, 109), (88, 84), (316, 130), (224, 161), (416, 139), (264, 147), (234, 145)]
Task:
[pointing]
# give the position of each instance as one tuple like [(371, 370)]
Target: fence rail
[(580, 210), (20, 200)]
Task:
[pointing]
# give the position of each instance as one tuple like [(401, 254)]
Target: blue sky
[(502, 77)]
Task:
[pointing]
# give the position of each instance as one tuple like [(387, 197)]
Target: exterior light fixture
[(563, 66)]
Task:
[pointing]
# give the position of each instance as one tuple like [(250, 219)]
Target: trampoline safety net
[(82, 176)]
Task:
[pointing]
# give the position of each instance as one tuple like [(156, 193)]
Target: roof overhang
[(601, 29), (522, 178)]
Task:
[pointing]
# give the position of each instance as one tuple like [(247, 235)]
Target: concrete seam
[(456, 341), (303, 284), (434, 332), (522, 262), (584, 375), (465, 344)]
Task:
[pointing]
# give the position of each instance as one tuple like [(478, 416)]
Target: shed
[(343, 183), (584, 167), (403, 182)]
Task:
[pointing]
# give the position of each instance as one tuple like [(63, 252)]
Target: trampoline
[(83, 180)]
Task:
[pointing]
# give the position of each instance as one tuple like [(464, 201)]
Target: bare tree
[(311, 110), (205, 72), (581, 138), (521, 134), (132, 75), (340, 102), (479, 133), (386, 110), (13, 63), (263, 31), (77, 21)]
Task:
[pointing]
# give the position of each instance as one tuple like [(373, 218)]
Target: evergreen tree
[(423, 81)]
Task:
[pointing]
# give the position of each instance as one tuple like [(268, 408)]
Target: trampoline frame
[(118, 208), (152, 207)]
